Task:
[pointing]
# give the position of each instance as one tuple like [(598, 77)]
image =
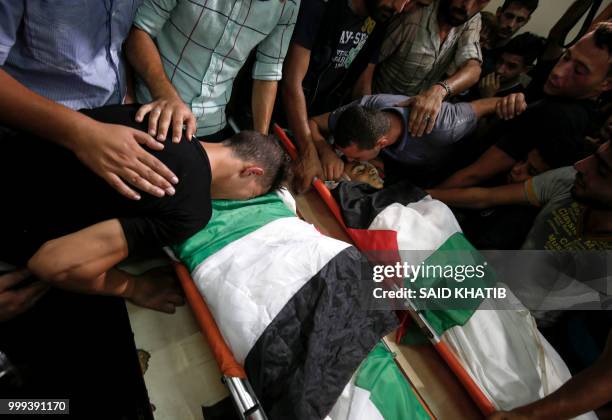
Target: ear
[(252, 171), (382, 142)]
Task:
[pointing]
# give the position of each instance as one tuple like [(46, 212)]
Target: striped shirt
[(204, 43), (69, 51), (412, 59)]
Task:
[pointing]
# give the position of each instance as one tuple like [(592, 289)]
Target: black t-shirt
[(341, 45), (50, 193), (560, 120)]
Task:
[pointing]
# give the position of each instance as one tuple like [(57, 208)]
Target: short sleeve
[(468, 46), (335, 114), (309, 22), (272, 50), (550, 186), (11, 15), (152, 15)]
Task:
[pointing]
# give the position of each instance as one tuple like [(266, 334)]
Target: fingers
[(190, 122), (511, 106), (153, 118), (146, 140), (137, 180), (163, 124), (177, 128), (118, 184), (432, 122), (9, 280), (142, 112)]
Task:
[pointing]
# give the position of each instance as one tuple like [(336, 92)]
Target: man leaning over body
[(187, 56)]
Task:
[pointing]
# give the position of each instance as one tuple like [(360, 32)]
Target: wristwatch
[(447, 88)]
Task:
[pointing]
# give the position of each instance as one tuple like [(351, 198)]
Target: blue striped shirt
[(69, 51)]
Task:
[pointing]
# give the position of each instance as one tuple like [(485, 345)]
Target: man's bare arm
[(84, 262), (167, 111), (333, 166), (262, 104), (481, 198), (506, 108), (113, 152), (588, 390), (294, 71), (363, 86), (425, 107), (494, 161)]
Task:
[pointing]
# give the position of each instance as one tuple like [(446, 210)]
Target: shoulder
[(382, 100)]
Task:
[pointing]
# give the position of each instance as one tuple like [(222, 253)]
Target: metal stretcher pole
[(234, 376), (483, 403)]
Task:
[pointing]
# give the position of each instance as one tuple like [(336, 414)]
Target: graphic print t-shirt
[(335, 35)]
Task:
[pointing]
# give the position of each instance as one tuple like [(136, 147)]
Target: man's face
[(354, 153), (582, 72), (509, 67), (460, 11), (593, 184), (382, 10), (512, 19), (523, 170)]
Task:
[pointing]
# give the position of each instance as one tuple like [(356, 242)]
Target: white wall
[(546, 15)]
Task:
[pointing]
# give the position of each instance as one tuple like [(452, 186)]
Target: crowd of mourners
[(120, 121)]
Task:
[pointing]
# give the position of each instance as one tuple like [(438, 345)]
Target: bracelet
[(447, 88)]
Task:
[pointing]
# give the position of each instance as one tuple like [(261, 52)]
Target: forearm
[(470, 198), (262, 104), (318, 138), (81, 261), (484, 107), (144, 57), (363, 86), (23, 109), (466, 77), (587, 391), (558, 33), (481, 198), (297, 115), (461, 179)]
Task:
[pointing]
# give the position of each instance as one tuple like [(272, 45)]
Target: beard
[(379, 13), (454, 16)]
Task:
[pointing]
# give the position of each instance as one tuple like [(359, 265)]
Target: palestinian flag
[(501, 351), (286, 301)]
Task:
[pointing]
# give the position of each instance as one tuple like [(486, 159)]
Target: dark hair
[(361, 126), (603, 39), (264, 150), (527, 45), (530, 5)]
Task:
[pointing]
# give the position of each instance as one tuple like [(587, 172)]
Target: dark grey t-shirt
[(454, 122)]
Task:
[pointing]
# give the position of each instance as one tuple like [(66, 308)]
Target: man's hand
[(157, 289), (114, 153), (165, 111), (15, 302), (424, 109), (511, 106), (489, 85), (333, 166), (307, 168)]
